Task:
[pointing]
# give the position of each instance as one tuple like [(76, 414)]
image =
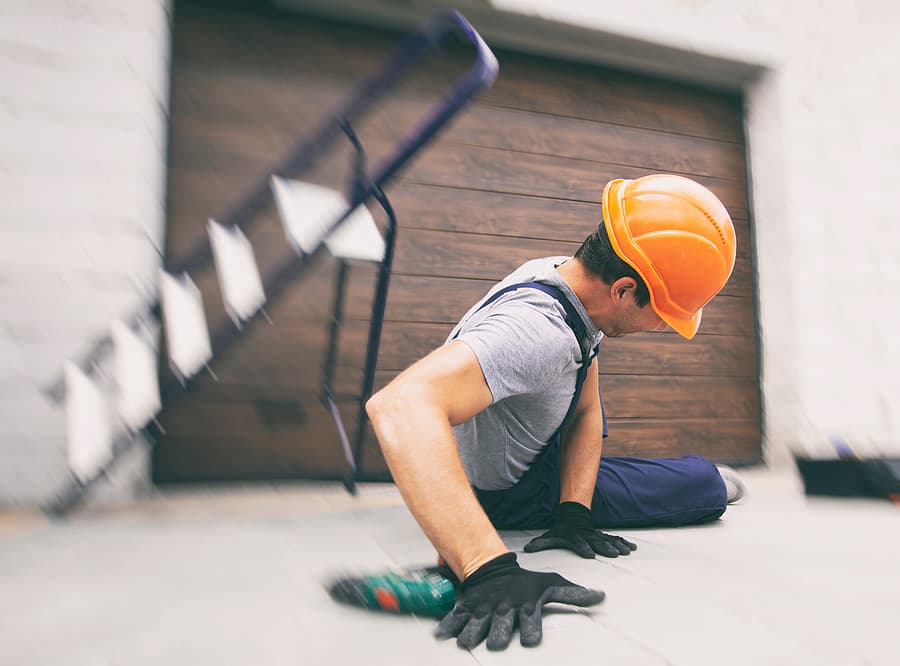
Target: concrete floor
[(235, 577)]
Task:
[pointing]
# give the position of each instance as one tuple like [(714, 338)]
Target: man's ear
[(621, 288)]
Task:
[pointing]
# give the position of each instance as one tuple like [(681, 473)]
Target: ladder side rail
[(376, 322), (335, 324)]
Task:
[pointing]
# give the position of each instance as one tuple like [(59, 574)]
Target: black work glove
[(500, 595), (572, 529)]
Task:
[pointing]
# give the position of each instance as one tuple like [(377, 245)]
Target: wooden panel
[(284, 48), (627, 397), (464, 167), (720, 440), (669, 354), (490, 127), (518, 175), (283, 449)]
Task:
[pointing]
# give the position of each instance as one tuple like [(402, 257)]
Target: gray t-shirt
[(530, 359)]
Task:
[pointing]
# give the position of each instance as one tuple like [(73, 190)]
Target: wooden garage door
[(518, 176)]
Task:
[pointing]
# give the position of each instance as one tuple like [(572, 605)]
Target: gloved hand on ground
[(499, 596), (572, 530)]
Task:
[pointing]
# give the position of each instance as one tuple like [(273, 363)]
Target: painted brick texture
[(82, 158)]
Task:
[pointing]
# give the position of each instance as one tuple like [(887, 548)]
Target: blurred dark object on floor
[(851, 477)]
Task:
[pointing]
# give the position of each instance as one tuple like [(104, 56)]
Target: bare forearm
[(581, 447), (419, 447)]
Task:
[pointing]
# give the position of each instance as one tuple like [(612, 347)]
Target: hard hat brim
[(686, 328)]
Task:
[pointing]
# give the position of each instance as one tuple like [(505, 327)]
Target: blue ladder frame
[(353, 452), (245, 212)]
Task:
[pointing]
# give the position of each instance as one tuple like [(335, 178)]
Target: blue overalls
[(629, 492)]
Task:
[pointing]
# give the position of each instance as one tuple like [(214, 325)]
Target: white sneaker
[(734, 484)]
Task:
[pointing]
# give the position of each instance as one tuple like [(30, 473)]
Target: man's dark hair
[(598, 256)]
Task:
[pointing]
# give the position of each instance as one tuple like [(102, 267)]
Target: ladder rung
[(307, 212), (239, 279), (88, 428), (184, 322), (137, 382)]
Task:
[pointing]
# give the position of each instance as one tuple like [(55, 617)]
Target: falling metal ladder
[(104, 419)]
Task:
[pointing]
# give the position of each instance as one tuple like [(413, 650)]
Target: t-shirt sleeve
[(521, 348)]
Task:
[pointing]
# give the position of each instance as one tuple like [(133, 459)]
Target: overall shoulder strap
[(575, 323), (572, 319)]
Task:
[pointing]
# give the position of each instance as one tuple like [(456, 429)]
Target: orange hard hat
[(679, 238)]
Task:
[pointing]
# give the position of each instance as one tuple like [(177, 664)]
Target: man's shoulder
[(530, 304), (528, 319)]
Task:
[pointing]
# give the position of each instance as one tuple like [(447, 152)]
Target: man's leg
[(657, 492)]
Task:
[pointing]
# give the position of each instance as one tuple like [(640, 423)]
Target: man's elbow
[(387, 408), (389, 413), (375, 406)]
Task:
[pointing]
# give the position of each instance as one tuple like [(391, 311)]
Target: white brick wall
[(82, 143), (825, 150)]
